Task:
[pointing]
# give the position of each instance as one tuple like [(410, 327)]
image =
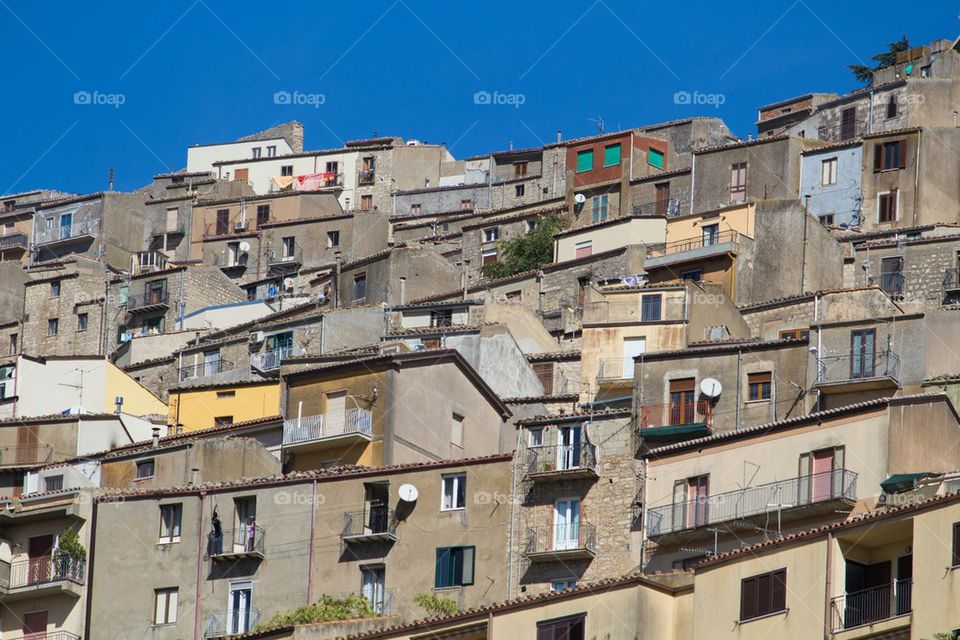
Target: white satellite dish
[(244, 246), (408, 493), (289, 283), (579, 198), (711, 387)]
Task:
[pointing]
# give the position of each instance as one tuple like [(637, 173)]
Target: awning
[(900, 482), (676, 432)]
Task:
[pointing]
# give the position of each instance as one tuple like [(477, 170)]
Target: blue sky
[(200, 71)]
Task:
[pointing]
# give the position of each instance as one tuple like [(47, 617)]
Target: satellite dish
[(289, 283), (408, 493), (244, 246), (579, 198), (711, 387)]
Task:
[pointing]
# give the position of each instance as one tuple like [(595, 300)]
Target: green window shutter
[(611, 155), (655, 158), (443, 568), (585, 160), (466, 576)]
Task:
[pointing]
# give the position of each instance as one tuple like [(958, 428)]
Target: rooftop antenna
[(110, 180), (597, 121)]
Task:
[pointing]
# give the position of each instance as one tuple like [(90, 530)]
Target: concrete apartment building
[(374, 533), (283, 139), (16, 222), (581, 242), (395, 276)]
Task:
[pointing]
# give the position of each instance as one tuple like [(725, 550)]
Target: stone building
[(16, 222), (481, 240), (664, 194), (394, 276), (831, 184)]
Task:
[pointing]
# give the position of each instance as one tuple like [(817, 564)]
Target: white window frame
[(454, 482), (171, 534), (165, 604), (491, 234), (535, 436), (560, 585), (828, 172), (896, 205)]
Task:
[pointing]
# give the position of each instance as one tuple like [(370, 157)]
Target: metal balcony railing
[(842, 132), (858, 366), (575, 536), (892, 284), (26, 455), (951, 279), (636, 311), (32, 572), (15, 240), (581, 456), (373, 521), (227, 258), (615, 369), (152, 299), (871, 605), (205, 369), (690, 244), (58, 233), (672, 415), (671, 208), (765, 498), (147, 262), (366, 176), (231, 622), (244, 540), (317, 427), (48, 635), (280, 258), (270, 360), (176, 227)]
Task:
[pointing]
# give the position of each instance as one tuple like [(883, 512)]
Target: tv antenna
[(599, 122)]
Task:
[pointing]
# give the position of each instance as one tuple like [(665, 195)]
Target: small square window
[(531, 225), (828, 172), (536, 437), (146, 468), (223, 421), (520, 190), (584, 160), (655, 158), (53, 483), (366, 202), (53, 326), (455, 567), (827, 219), (82, 321), (256, 152), (759, 386), (333, 239), (415, 209), (360, 286), (272, 151), (55, 289), (286, 170), (454, 492), (456, 430), (611, 155), (491, 234)]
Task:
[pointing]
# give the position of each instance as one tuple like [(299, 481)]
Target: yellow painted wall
[(136, 398), (740, 219), (198, 408)]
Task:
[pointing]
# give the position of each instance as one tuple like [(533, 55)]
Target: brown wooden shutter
[(778, 592), (544, 371), (27, 444), (764, 594), (877, 158), (748, 598), (902, 145), (684, 384), (956, 544)]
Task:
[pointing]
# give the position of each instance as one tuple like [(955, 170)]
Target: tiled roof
[(699, 348), (582, 415), (456, 328), (562, 397), (551, 356)]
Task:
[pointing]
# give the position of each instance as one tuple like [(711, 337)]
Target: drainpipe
[(916, 180), (313, 520), (90, 564), (828, 589), (513, 512), (199, 590), (803, 246), (693, 180), (739, 354)]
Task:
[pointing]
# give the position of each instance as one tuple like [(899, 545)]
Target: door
[(245, 526), (711, 234), (848, 124), (632, 347), (66, 221), (28, 444), (698, 493), (35, 625), (566, 520), (376, 507), (372, 587), (823, 465), (39, 550), (223, 222), (211, 362), (863, 353), (682, 409), (335, 417), (568, 448), (662, 199), (903, 586), (238, 617), (241, 175)]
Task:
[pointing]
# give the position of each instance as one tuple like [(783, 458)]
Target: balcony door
[(823, 465), (376, 505), (38, 554), (35, 625), (904, 584), (335, 417), (863, 353), (245, 527), (566, 524), (66, 221), (568, 447), (211, 362), (868, 596), (821, 476), (372, 587), (239, 614), (632, 347), (682, 401), (697, 500)]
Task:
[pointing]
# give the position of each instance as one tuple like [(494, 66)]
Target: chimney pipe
[(193, 475), (559, 135), (156, 437)]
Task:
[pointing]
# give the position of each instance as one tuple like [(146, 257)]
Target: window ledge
[(781, 612)]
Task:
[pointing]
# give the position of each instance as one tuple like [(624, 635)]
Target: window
[(82, 321), (53, 326), (887, 206), (759, 386), (828, 172), (165, 606), (891, 276), (827, 219), (286, 170), (456, 430), (454, 566), (655, 158), (333, 239), (53, 483), (289, 244), (600, 208), (223, 421), (491, 234), (583, 249), (55, 289), (520, 168), (763, 594), (889, 156), (711, 234), (662, 199), (892, 111), (515, 296), (955, 560), (441, 318), (226, 394), (466, 204), (569, 628), (13, 344), (926, 72), (651, 308), (848, 123), (795, 334), (520, 190), (863, 353), (694, 275), (531, 225), (360, 286), (454, 491), (223, 222), (263, 214), (584, 160), (562, 585), (488, 256), (366, 202), (256, 152), (272, 151), (611, 155), (170, 517), (146, 468), (415, 209), (536, 437), (738, 183)]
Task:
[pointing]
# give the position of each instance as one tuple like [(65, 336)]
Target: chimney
[(403, 290), (179, 429), (193, 475), (559, 135), (295, 137), (156, 437)]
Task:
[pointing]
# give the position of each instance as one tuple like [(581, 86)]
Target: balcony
[(858, 372), (873, 605), (843, 131), (817, 493), (706, 246), (148, 303), (204, 369), (48, 635), (284, 261), (671, 208), (147, 262), (61, 234), (14, 241), (561, 542), (615, 370), (674, 421), (231, 622), (227, 259), (176, 227), (668, 309), (317, 432), (26, 455), (951, 283), (366, 176), (377, 523), (44, 576), (562, 462), (271, 360), (243, 543)]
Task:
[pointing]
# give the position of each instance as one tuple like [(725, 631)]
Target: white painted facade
[(202, 157)]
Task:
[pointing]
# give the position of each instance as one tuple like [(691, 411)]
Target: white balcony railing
[(270, 360), (318, 427), (65, 232)]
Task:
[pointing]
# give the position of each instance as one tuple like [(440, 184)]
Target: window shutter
[(956, 544), (748, 598), (764, 595), (443, 567), (902, 145), (468, 564), (778, 592), (877, 158), (544, 372)]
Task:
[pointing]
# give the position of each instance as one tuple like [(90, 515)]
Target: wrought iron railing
[(43, 570), (366, 176), (856, 366), (76, 230), (205, 369), (374, 520), (843, 131), (154, 298), (673, 414), (316, 427), (951, 279), (242, 540), (871, 605), (562, 457), (615, 369), (671, 208), (690, 244), (270, 360), (892, 284), (231, 622), (21, 455), (580, 535), (48, 635), (752, 501), (275, 258), (602, 311), (15, 240)]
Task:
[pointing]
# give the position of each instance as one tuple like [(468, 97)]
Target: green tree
[(526, 252), (328, 608), (70, 547), (435, 605), (883, 59)]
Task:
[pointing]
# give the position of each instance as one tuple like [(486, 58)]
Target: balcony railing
[(58, 233), (366, 176), (562, 539), (375, 523), (565, 459), (231, 622), (842, 132), (856, 366), (147, 262), (48, 635), (278, 259), (318, 427), (33, 572), (227, 258), (246, 542), (270, 360), (25, 455), (872, 605), (629, 312), (615, 369), (152, 299), (892, 284), (691, 244), (15, 240), (951, 280), (671, 208), (839, 484), (673, 415), (205, 369), (176, 227)]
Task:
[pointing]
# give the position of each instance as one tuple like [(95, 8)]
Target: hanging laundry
[(282, 182)]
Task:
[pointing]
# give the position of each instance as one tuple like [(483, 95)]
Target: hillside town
[(660, 383)]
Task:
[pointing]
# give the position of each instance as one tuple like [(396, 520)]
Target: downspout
[(739, 354), (180, 303), (828, 589), (313, 527), (513, 512), (693, 180), (90, 565), (323, 333), (816, 357), (916, 180), (686, 318), (197, 607), (803, 247)]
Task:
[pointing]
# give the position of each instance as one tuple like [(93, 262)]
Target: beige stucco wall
[(605, 238)]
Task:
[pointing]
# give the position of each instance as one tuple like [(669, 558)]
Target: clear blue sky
[(200, 71)]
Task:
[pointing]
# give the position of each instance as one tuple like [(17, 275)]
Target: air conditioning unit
[(256, 336), (240, 225)]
